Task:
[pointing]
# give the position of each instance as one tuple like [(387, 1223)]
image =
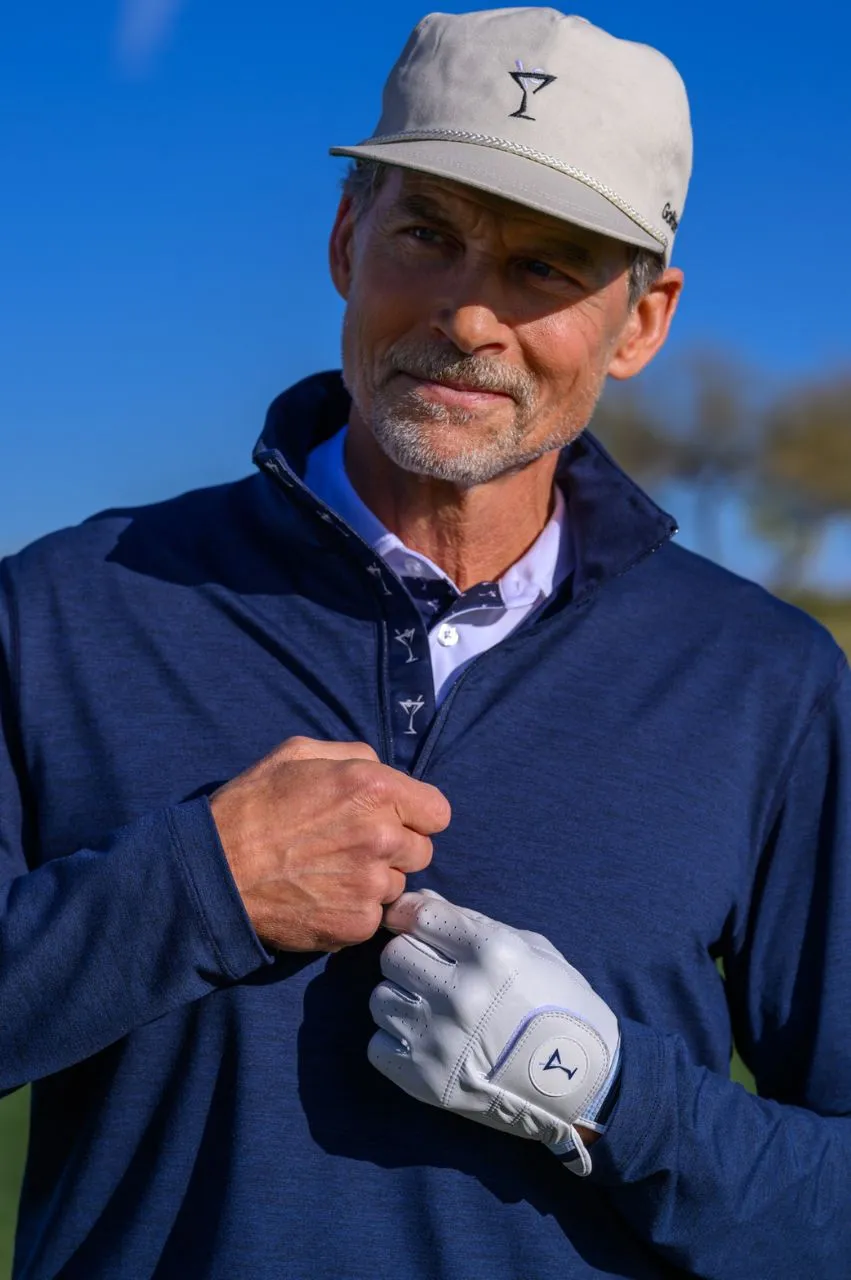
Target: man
[(461, 645)]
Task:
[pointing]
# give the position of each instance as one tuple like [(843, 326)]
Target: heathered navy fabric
[(654, 771)]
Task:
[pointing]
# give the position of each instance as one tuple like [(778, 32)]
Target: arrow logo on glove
[(554, 1063)]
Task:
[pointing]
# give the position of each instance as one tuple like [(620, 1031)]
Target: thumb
[(401, 916)]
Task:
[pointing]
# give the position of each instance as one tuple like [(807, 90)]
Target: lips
[(453, 392)]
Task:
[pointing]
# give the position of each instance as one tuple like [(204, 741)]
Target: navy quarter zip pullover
[(202, 1108)]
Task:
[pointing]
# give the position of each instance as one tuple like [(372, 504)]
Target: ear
[(340, 247), (647, 326)]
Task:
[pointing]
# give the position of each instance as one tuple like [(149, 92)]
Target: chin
[(463, 468)]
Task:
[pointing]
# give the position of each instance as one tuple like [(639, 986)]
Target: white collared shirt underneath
[(456, 642)]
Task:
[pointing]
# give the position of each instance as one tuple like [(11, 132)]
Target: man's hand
[(319, 836), (493, 1023)]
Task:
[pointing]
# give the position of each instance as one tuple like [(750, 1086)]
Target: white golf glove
[(492, 1023)]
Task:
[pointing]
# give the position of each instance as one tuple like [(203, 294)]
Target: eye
[(424, 235), (543, 271)]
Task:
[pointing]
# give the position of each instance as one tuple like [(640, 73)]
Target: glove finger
[(398, 1012), (450, 930), (478, 916), (416, 967), (389, 1056)]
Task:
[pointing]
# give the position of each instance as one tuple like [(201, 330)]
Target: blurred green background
[(13, 1135)]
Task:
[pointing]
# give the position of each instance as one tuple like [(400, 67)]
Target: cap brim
[(526, 182)]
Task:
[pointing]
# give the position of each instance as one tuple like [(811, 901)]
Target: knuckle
[(297, 747), (424, 854), (365, 922), (375, 882), (395, 885), (384, 839), (362, 779), (374, 784)]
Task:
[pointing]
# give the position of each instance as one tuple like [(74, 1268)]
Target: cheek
[(566, 350), (378, 313)]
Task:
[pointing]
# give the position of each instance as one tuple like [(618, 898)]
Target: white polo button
[(447, 635), (415, 568)]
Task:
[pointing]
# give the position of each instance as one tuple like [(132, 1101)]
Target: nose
[(469, 315)]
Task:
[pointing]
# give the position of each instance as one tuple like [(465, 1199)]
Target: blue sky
[(167, 196)]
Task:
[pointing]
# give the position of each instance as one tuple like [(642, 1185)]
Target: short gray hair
[(365, 178)]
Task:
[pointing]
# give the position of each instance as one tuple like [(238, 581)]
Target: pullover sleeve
[(722, 1184), (108, 938)]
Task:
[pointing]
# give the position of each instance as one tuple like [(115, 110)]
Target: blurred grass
[(14, 1119), (14, 1110)]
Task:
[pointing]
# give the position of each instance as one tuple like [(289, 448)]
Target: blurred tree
[(718, 443), (804, 474), (699, 431), (787, 461), (631, 428)]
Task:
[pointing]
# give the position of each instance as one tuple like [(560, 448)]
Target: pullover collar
[(533, 576), (614, 523)]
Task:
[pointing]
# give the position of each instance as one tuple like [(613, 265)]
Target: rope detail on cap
[(527, 153)]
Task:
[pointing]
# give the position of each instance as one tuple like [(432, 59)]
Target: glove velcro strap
[(573, 1154)]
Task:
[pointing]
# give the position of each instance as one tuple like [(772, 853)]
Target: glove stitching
[(521, 1108), (473, 1036)]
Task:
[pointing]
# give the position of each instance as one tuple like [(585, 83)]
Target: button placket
[(407, 639), (411, 682), (410, 692), (378, 572), (411, 706), (432, 596)]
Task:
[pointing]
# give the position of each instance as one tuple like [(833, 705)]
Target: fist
[(320, 836)]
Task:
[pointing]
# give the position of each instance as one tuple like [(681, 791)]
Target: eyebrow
[(416, 205), (552, 246)]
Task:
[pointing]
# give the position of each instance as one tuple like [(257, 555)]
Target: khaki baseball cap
[(544, 109)]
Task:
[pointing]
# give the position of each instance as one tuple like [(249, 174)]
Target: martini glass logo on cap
[(528, 82)]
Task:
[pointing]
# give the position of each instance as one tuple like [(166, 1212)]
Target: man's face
[(477, 334)]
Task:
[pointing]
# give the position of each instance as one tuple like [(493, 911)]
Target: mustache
[(442, 364)]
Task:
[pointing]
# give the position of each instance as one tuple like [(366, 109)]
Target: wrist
[(588, 1136)]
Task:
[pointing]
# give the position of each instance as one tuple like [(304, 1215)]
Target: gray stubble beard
[(400, 424)]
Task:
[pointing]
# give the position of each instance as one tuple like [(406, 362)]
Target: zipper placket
[(584, 598)]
